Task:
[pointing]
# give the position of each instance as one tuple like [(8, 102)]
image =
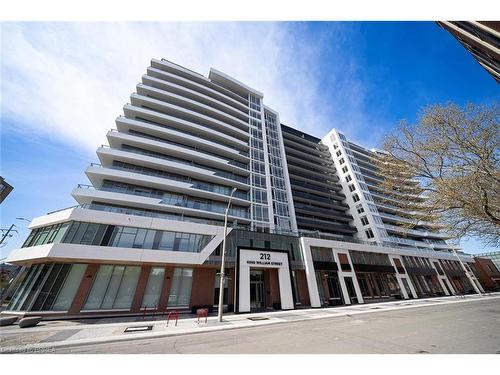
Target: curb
[(194, 331)]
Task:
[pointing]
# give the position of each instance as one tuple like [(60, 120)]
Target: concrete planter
[(30, 322), (8, 320)]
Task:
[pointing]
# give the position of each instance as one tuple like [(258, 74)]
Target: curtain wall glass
[(113, 288), (180, 291), (48, 287), (154, 287)]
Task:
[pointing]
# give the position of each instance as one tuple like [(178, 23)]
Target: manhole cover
[(258, 318), (138, 329)]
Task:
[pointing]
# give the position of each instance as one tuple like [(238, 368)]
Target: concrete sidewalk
[(48, 335)]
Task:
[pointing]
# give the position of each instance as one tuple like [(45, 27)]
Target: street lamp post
[(222, 275)]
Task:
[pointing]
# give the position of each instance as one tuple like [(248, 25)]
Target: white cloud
[(70, 81)]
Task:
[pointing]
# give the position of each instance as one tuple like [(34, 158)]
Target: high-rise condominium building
[(147, 230), (481, 39)]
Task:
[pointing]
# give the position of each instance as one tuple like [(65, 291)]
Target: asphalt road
[(472, 327)]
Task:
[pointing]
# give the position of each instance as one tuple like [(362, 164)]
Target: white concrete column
[(345, 293), (357, 288), (450, 285), (441, 278), (286, 294), (400, 278), (310, 275), (402, 286), (443, 286), (410, 284), (351, 274), (244, 289)]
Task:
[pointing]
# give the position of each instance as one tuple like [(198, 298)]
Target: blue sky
[(63, 84)]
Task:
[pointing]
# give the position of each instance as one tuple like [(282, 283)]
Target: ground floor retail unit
[(306, 273)]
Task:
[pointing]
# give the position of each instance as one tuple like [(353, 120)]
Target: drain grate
[(138, 329), (255, 318)]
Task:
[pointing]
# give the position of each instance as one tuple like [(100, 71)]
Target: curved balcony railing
[(217, 172), (195, 184), (180, 201)]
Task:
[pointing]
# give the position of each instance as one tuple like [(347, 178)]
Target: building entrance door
[(334, 289), (257, 289)]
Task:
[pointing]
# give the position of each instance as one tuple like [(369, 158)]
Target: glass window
[(42, 235), (180, 291), (71, 284), (154, 287), (51, 286), (126, 291), (89, 234), (23, 289), (124, 237), (322, 254), (167, 241), (140, 238), (259, 181), (113, 285), (80, 232), (113, 288), (181, 241), (99, 286)]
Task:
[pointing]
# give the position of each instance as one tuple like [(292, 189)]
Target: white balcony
[(87, 195), (399, 219), (197, 96), (422, 233), (193, 105), (98, 174), (199, 141), (188, 115), (132, 112), (116, 140), (108, 155), (178, 70), (197, 87)]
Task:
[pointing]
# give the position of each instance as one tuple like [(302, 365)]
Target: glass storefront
[(113, 288), (153, 288), (48, 287), (329, 289), (378, 285)]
